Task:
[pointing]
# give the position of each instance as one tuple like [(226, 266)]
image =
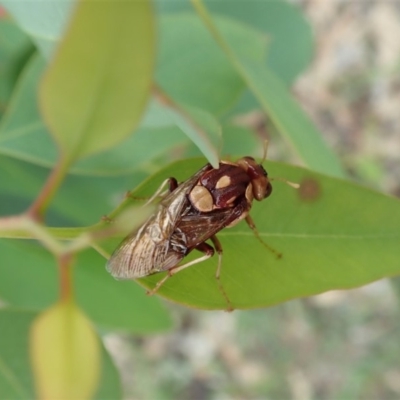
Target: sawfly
[(192, 213)]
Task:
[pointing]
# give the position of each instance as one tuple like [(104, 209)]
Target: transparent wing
[(134, 257), (147, 251)]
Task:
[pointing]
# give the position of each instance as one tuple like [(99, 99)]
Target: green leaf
[(135, 153), (23, 135), (15, 47), (286, 28), (16, 381), (93, 105), (283, 23), (198, 125), (202, 129), (241, 140), (110, 304), (43, 21), (291, 121), (65, 353), (81, 200), (22, 182), (22, 131), (332, 234), (114, 304), (193, 70), (275, 100)]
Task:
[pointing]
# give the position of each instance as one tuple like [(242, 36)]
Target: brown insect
[(192, 213)]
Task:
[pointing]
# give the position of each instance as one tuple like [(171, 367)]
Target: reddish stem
[(66, 286), (37, 209)]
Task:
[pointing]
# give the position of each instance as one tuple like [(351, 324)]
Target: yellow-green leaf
[(65, 354), (96, 87)]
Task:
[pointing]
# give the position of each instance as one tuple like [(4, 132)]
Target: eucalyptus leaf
[(16, 381), (82, 200), (193, 70), (331, 233), (65, 353), (15, 48), (93, 105), (275, 100), (291, 121), (202, 129), (241, 140), (24, 136), (32, 282), (44, 21), (284, 24)]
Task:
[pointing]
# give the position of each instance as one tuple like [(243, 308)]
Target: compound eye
[(264, 172), (261, 188), (268, 190)]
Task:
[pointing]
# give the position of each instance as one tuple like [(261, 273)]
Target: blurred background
[(339, 345)]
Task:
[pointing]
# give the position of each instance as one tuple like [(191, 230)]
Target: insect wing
[(146, 251), (136, 255), (177, 201), (200, 227)]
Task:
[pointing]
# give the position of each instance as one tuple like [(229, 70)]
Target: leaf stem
[(65, 262), (13, 228), (40, 205)]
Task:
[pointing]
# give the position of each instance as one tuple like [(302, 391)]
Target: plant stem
[(65, 262), (11, 228), (38, 208)]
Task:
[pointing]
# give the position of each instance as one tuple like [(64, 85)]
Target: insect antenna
[(291, 184), (265, 151)]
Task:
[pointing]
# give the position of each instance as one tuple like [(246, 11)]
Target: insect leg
[(209, 252), (253, 227), (171, 182), (218, 249)]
